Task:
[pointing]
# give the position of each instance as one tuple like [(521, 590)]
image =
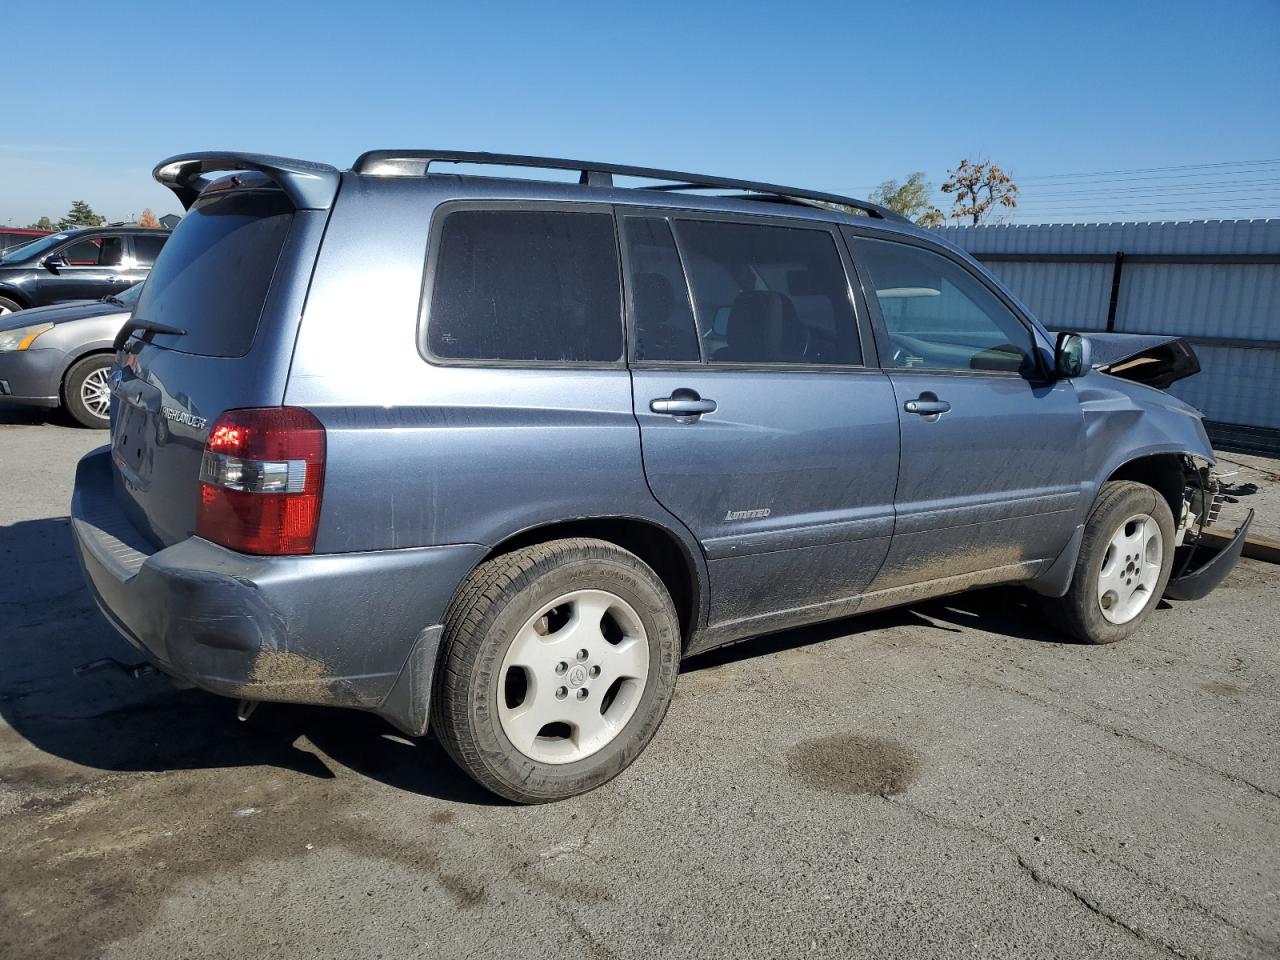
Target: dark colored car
[(493, 455), (60, 356), (85, 264)]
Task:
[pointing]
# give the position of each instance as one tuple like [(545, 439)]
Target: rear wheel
[(558, 664), (87, 391), (1125, 559), (8, 306)]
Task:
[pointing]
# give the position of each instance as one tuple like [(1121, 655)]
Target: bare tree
[(979, 186), (148, 219)]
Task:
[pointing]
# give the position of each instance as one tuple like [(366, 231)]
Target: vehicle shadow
[(1010, 611), (33, 416), (109, 721)]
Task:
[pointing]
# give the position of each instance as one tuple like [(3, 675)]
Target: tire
[(503, 674), (1104, 612), (9, 306), (81, 387)]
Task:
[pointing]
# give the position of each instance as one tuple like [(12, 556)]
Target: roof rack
[(414, 163)]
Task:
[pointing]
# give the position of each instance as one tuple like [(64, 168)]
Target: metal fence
[(1215, 282)]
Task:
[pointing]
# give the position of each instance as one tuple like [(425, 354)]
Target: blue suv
[(490, 455)]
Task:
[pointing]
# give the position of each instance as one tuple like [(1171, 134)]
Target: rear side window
[(212, 277), (526, 285), (769, 294)]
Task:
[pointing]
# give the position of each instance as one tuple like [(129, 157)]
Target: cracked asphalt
[(951, 779)]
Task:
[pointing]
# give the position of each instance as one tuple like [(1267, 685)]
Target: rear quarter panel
[(420, 454)]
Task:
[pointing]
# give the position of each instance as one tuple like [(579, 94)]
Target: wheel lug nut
[(561, 692), (582, 693), (593, 671), (582, 654), (561, 667)]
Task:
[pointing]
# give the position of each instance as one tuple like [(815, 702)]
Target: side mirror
[(54, 262), (1071, 356)]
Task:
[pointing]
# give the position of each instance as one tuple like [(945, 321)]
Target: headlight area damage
[(1154, 361), (1198, 568), (1158, 361)]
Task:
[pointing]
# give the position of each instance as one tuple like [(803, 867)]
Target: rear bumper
[(356, 630), (31, 377), (1212, 567)]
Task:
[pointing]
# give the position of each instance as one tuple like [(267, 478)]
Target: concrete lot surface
[(947, 780)]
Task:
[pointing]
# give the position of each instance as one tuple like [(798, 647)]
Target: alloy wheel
[(573, 676), (95, 393), (1130, 569)]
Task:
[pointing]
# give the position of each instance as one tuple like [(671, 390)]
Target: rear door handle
[(926, 407), (683, 403)]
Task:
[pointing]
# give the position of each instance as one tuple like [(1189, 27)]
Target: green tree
[(44, 223), (979, 187), (80, 215), (911, 199)]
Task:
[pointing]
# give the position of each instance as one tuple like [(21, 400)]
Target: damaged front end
[(1199, 568), (1152, 360)]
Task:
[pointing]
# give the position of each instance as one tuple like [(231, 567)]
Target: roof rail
[(411, 163), (311, 186)]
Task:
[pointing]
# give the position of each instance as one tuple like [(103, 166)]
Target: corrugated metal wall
[(1216, 282)]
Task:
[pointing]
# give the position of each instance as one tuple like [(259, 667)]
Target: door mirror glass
[(1071, 356)]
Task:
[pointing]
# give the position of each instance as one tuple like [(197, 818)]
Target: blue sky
[(837, 96)]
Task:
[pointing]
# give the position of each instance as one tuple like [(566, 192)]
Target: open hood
[(1150, 359)]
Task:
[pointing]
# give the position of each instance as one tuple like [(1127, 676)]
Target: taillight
[(261, 479)]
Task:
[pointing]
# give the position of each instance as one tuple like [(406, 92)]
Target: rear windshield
[(211, 278)]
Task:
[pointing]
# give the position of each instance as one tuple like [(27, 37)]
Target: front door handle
[(927, 405), (683, 403)]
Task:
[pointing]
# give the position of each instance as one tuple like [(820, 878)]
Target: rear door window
[(146, 249), (769, 294), (212, 277), (661, 317), (523, 286)]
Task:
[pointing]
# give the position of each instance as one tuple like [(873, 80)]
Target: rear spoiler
[(311, 186)]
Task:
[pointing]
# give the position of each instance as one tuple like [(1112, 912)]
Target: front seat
[(762, 328)]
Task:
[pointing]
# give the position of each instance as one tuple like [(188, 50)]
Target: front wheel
[(557, 666), (1125, 559), (87, 391)]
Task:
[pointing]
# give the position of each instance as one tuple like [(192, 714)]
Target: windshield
[(34, 248)]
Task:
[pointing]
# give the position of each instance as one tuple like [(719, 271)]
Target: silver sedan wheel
[(1130, 569), (573, 676), (95, 393)]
